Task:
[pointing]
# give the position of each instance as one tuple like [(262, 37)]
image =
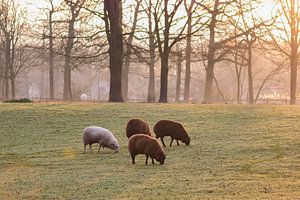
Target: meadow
[(236, 152)]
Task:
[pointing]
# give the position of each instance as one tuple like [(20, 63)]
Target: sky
[(34, 5)]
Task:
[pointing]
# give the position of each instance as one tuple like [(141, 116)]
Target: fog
[(251, 60)]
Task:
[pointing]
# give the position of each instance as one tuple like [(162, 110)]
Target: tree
[(13, 25), (188, 51), (221, 14), (113, 25), (74, 9), (48, 26), (51, 50), (288, 40), (166, 17), (179, 56), (151, 64), (128, 52)]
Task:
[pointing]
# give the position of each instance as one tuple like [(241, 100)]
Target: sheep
[(96, 134), (173, 129), (83, 97), (144, 144), (137, 126)]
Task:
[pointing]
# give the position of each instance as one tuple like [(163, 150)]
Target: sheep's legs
[(152, 161), (162, 141), (100, 143), (91, 148), (177, 143), (146, 160), (133, 157), (84, 147), (171, 142)]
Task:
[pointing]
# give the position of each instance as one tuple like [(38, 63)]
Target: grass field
[(236, 152)]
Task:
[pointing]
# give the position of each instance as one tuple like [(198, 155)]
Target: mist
[(198, 51)]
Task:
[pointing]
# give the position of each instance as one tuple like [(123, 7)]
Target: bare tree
[(179, 59), (288, 41), (113, 24), (151, 85), (188, 51), (74, 9), (166, 11), (128, 51), (13, 25), (48, 34), (51, 11), (221, 13)]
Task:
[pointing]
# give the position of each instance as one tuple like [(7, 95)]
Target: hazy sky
[(264, 10)]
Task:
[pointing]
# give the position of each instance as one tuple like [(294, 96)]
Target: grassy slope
[(236, 152)]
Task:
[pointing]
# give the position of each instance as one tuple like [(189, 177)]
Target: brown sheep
[(144, 144), (135, 126), (173, 129)]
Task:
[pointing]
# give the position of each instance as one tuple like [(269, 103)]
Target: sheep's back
[(93, 134), (141, 143), (169, 128), (137, 126)]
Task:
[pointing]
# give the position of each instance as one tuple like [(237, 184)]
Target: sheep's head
[(186, 140), (115, 146), (161, 158)]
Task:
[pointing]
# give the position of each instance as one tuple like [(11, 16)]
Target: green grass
[(24, 100), (236, 152)]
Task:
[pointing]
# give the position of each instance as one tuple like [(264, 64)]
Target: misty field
[(236, 152)]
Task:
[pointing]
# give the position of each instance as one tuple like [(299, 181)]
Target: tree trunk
[(238, 74), (151, 85), (6, 83), (7, 66), (250, 78), (51, 57), (294, 52), (125, 71), (293, 87), (209, 78), (13, 88), (113, 10), (163, 98), (210, 58), (238, 84), (67, 80), (178, 74), (187, 69), (1, 75), (67, 94), (188, 51)]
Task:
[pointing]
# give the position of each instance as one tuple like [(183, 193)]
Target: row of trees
[(118, 34)]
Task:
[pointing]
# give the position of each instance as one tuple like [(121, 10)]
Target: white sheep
[(83, 97), (96, 134)]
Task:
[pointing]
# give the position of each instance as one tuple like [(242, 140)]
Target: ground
[(236, 152)]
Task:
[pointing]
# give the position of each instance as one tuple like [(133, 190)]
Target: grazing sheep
[(173, 129), (135, 126), (96, 134), (83, 97), (144, 144)]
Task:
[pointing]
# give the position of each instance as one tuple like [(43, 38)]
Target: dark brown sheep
[(135, 126), (144, 144), (173, 129)]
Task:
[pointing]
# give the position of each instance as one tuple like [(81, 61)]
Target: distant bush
[(24, 100)]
